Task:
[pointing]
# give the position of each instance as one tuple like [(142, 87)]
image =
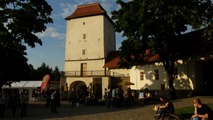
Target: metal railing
[(92, 73)]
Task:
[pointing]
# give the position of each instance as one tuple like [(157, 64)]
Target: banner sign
[(45, 80)]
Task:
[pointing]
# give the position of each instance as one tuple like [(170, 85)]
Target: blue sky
[(52, 50)]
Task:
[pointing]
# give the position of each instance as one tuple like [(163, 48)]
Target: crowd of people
[(145, 95), (116, 97), (13, 100), (119, 97)]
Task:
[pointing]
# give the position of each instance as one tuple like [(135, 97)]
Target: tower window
[(84, 36), (83, 52)]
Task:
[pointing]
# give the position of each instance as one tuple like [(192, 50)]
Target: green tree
[(37, 74), (158, 25), (20, 20), (29, 73), (56, 74), (42, 71)]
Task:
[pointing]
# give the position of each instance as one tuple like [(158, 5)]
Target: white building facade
[(190, 77), (90, 36)]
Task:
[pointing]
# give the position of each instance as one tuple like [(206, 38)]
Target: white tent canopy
[(23, 85), (27, 85)]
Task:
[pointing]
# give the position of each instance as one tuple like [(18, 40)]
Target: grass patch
[(187, 112)]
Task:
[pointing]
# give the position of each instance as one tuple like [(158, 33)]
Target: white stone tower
[(90, 36)]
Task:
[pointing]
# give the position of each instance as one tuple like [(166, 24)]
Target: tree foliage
[(158, 25), (32, 73), (20, 20)]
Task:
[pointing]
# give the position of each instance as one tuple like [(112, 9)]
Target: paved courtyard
[(38, 111)]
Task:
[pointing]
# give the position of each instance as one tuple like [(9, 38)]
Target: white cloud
[(52, 32), (67, 9)]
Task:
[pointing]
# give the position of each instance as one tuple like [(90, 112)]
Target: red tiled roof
[(113, 59), (87, 10)]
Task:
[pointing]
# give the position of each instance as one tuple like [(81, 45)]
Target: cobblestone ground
[(38, 111)]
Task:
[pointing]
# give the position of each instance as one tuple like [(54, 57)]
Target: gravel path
[(38, 111)]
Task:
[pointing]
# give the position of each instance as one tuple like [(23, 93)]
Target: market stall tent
[(26, 85)]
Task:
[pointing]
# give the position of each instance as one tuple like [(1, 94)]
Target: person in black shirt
[(166, 106), (201, 111), (48, 97)]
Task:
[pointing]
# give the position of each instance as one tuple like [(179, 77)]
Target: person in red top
[(201, 111)]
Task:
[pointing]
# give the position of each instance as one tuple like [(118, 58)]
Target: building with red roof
[(91, 59)]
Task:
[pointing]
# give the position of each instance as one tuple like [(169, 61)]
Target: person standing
[(13, 102), (53, 101), (113, 97), (24, 101), (48, 97), (78, 97), (107, 96), (36, 95), (120, 97), (2, 103), (201, 111), (147, 95), (73, 97), (128, 96)]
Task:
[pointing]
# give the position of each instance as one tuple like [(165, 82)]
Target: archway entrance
[(78, 85), (80, 89)]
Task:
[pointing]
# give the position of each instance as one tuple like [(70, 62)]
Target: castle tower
[(90, 36)]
